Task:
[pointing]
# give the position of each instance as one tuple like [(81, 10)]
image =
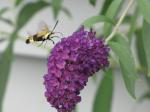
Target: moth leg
[(55, 36), (51, 40), (45, 43)]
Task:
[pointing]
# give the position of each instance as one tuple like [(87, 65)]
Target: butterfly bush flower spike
[(71, 62)]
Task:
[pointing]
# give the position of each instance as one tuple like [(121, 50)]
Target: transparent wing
[(43, 26), (43, 29)]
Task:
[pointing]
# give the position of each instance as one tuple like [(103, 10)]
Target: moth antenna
[(55, 26)]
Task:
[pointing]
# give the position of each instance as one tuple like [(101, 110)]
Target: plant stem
[(119, 22)]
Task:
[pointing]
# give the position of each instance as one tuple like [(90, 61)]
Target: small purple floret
[(71, 62)]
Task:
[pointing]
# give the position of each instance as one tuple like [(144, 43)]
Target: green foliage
[(145, 96), (5, 65), (140, 48), (18, 2), (119, 44), (93, 2), (4, 72), (66, 11), (144, 6), (111, 13), (3, 10), (56, 5), (28, 11), (148, 81), (146, 41), (96, 19), (127, 65), (105, 6), (6, 59), (127, 19), (6, 20), (103, 98), (132, 23)]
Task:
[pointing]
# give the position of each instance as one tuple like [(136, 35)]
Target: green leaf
[(105, 6), (5, 65), (144, 6), (24, 16), (96, 19), (127, 19), (28, 11), (148, 81), (18, 2), (93, 2), (140, 48), (103, 98), (145, 96), (146, 42), (56, 5), (111, 13), (8, 21), (3, 10), (127, 64), (121, 39), (133, 24), (66, 11)]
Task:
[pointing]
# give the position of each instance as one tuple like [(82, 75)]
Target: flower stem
[(119, 22)]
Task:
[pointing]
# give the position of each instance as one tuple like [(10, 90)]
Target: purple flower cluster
[(71, 62)]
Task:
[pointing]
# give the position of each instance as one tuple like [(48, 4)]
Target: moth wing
[(43, 29), (41, 33), (43, 26)]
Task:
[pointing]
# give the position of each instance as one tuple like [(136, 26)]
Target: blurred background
[(25, 89)]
